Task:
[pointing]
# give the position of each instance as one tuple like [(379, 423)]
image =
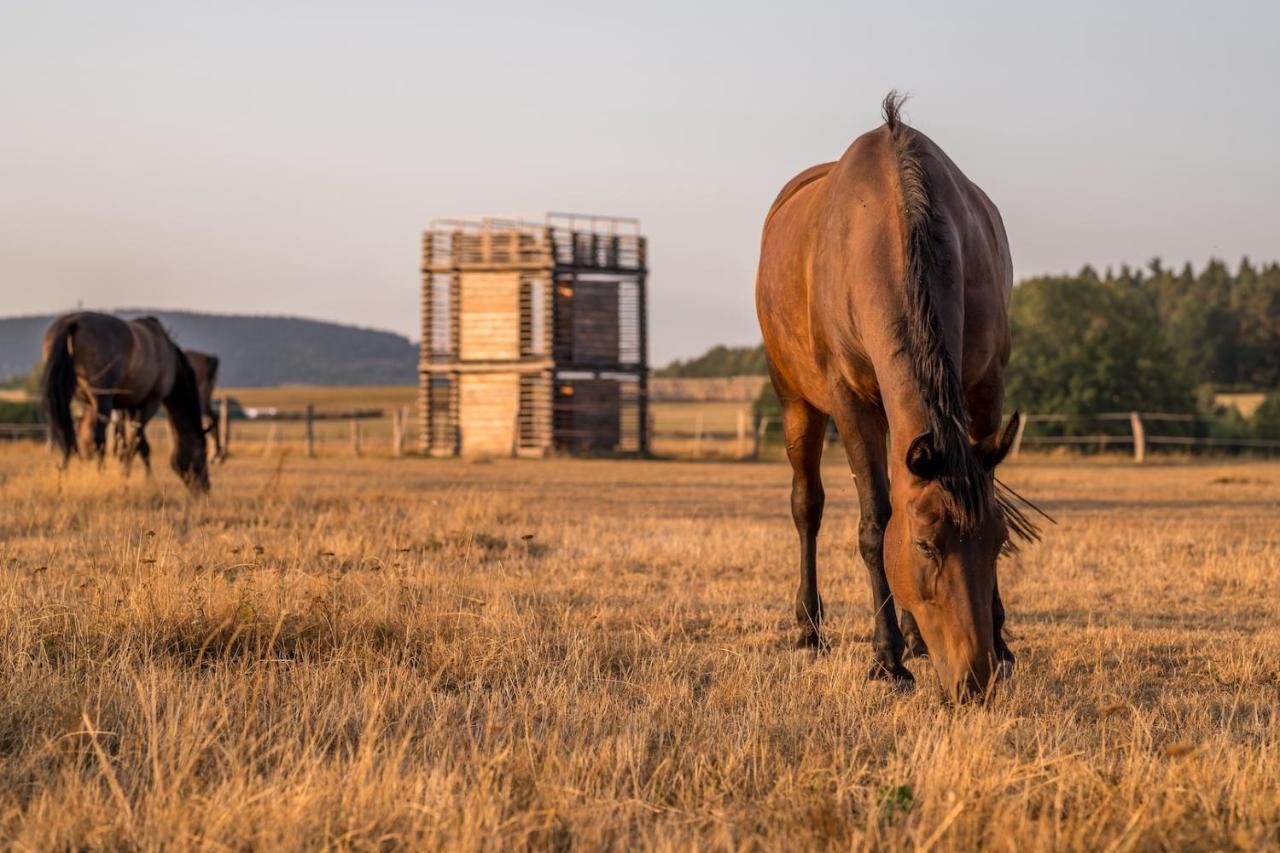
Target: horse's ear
[(993, 449), (923, 458)]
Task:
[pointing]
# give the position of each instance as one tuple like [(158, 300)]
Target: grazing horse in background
[(205, 366), (133, 366), (883, 293), (130, 426)]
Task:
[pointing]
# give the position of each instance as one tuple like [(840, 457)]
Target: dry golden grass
[(326, 396), (428, 654)]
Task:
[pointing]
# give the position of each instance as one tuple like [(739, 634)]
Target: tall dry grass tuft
[(597, 654)]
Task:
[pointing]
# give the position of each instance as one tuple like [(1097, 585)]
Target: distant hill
[(255, 351), (719, 361)]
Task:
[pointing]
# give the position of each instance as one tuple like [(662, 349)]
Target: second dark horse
[(130, 425), (131, 365)]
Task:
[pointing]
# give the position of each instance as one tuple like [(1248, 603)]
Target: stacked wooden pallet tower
[(534, 337)]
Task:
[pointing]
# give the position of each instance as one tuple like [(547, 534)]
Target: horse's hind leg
[(122, 426), (140, 434), (100, 411), (804, 428), (85, 429), (144, 448)]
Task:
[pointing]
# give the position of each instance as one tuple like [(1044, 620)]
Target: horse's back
[(978, 250), (979, 228), (797, 183), (807, 231), (152, 362), (91, 331), (782, 279)]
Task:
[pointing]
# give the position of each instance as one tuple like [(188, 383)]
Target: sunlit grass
[(568, 654)]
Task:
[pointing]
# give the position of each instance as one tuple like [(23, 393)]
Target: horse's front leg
[(122, 431), (805, 428), (916, 647), (1003, 654), (863, 433)]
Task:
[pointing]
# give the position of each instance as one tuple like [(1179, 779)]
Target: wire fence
[(1134, 432), (732, 432)]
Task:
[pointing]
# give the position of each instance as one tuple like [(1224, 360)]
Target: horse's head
[(190, 460), (941, 562)]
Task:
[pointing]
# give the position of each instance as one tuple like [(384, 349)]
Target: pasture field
[(377, 653), (296, 397)]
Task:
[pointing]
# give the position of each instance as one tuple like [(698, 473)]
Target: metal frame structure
[(534, 337)]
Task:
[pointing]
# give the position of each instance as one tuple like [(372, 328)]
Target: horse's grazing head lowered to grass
[(190, 457), (940, 553)]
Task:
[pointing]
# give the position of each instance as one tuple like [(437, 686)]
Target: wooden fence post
[(761, 431), (697, 437), (1017, 437), (397, 434), (1139, 437), (271, 439), (355, 436), (223, 426), (311, 433), (113, 433)]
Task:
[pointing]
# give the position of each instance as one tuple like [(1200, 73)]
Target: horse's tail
[(58, 387)]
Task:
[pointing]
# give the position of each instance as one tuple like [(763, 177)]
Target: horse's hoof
[(916, 650), (898, 675), (814, 642), (1004, 670), (1003, 655)]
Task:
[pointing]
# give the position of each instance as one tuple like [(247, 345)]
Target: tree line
[(1152, 338)]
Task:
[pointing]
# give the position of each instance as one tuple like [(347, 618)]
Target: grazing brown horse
[(133, 366), (883, 295)]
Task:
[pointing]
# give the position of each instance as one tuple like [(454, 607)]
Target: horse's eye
[(924, 546)]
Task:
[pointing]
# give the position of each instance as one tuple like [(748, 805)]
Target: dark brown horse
[(133, 366), (883, 295), (131, 428), (205, 366)]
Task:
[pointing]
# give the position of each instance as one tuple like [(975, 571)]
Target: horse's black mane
[(966, 485)]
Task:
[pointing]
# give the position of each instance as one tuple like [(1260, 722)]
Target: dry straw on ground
[(368, 653)]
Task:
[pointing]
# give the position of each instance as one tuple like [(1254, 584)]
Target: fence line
[(747, 441), (18, 432), (1139, 437)]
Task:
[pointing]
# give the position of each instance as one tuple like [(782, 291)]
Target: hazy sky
[(283, 157)]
